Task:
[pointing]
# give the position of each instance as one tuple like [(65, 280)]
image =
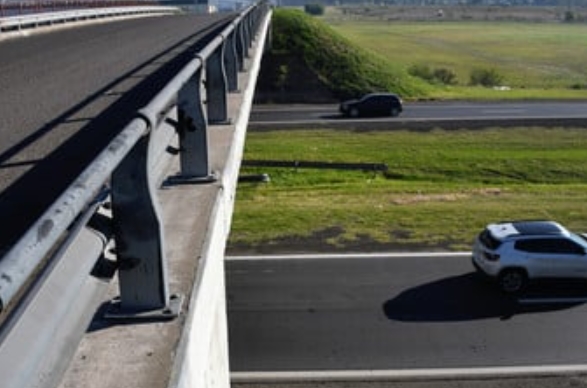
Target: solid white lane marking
[(504, 111), (552, 300), (407, 374), (326, 256)]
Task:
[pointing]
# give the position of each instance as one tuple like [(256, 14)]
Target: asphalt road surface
[(67, 93), (428, 114), (414, 312)]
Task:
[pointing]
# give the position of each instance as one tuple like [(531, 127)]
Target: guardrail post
[(140, 246), (246, 38), (250, 28), (192, 127), (231, 62), (216, 87), (240, 46)]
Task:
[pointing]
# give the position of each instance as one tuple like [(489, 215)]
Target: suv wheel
[(394, 112), (512, 281)]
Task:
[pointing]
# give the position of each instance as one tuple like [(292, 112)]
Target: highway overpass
[(117, 280)]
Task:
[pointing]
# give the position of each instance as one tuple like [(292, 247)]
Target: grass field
[(441, 187), (536, 60)]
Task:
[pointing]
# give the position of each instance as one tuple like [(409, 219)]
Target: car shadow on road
[(469, 297)]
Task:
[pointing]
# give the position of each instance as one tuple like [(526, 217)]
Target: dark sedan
[(373, 104)]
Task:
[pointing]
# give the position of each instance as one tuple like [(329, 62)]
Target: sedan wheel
[(512, 281), (354, 112)]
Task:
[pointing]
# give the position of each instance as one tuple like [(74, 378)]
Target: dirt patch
[(444, 197), (321, 241), (287, 79)]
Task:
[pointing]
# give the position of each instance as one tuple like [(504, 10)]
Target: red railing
[(28, 7)]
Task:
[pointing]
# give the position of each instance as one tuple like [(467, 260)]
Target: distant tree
[(421, 71), (314, 9), (438, 75), (485, 77), (445, 76), (569, 16)]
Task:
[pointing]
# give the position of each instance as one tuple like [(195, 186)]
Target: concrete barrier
[(17, 25)]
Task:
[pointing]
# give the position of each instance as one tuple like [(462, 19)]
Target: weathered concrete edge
[(202, 353), (412, 375)]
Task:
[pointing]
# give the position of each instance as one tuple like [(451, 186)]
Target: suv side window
[(570, 247), (549, 245), (533, 245)]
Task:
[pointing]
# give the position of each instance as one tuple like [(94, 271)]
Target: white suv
[(518, 251)]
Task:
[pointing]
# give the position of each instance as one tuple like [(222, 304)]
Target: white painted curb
[(358, 255), (408, 374)]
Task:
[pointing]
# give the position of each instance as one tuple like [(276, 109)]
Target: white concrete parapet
[(17, 23)]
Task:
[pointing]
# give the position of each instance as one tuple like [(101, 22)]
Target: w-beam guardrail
[(17, 23), (22, 7), (123, 175), (208, 77)]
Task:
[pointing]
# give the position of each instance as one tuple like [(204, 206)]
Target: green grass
[(351, 57), (345, 68), (440, 189), (528, 55)]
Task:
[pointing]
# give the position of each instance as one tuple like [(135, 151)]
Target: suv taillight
[(491, 256)]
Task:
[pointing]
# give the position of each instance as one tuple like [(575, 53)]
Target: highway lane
[(429, 113), (392, 313), (66, 93)]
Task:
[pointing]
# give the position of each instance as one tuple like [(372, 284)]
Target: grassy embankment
[(440, 189), (351, 57), (532, 60), (341, 66)]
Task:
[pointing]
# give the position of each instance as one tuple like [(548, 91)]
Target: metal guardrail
[(57, 278), (23, 7), (198, 93), (17, 23)]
